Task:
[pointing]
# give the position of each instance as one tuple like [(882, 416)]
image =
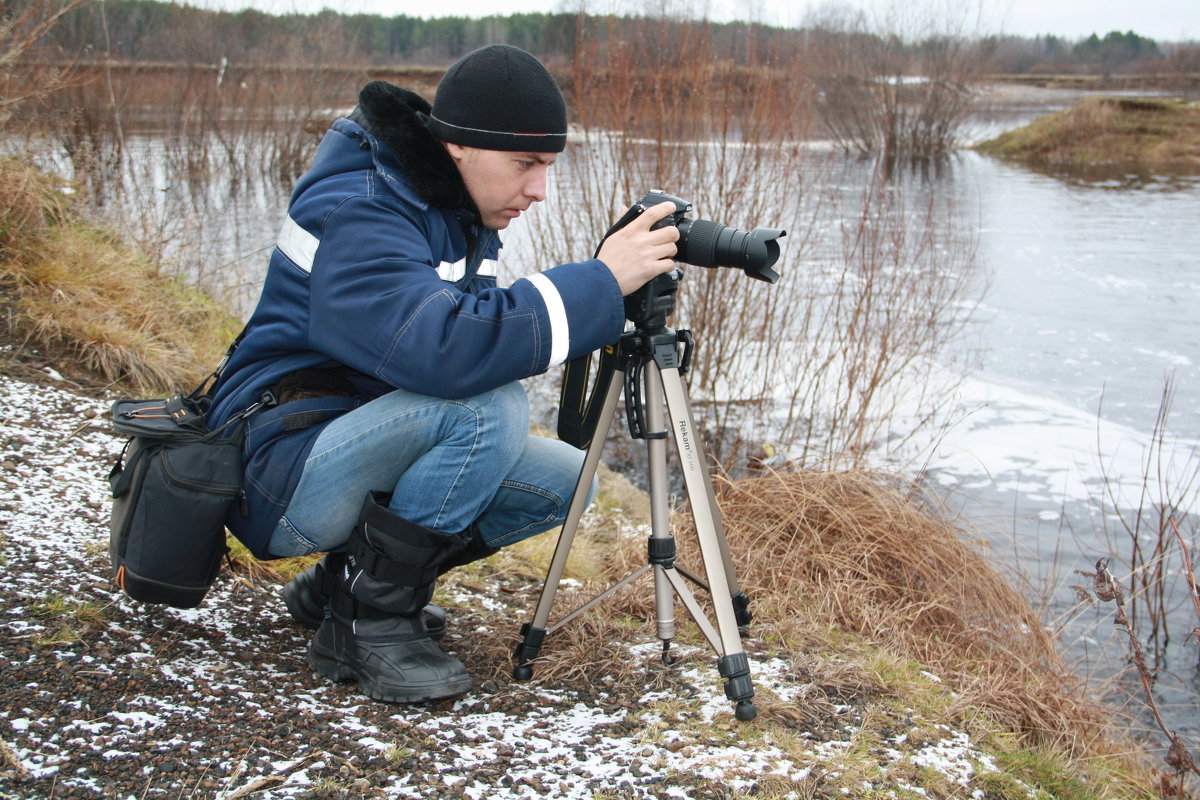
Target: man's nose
[(536, 187)]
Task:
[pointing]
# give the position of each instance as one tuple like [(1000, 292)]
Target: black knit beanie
[(500, 98)]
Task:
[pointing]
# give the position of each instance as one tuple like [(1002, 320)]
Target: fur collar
[(397, 118)]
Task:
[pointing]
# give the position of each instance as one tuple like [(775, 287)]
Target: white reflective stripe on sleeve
[(452, 272), (560, 329), (458, 270), (297, 244)]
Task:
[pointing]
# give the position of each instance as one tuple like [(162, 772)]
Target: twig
[(1191, 575), (279, 776), (1107, 589), (11, 761)]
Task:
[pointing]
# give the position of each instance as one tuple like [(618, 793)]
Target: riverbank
[(1132, 132), (887, 654)]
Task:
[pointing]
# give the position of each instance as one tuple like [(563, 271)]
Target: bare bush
[(897, 92), (1142, 526), (22, 25), (817, 365)]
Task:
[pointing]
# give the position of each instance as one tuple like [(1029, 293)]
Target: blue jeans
[(446, 463)]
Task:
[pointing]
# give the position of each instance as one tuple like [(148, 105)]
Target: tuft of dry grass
[(864, 553), (82, 297)]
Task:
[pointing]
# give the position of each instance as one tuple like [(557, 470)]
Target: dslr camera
[(704, 243)]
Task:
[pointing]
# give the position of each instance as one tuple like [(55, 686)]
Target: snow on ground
[(103, 697)]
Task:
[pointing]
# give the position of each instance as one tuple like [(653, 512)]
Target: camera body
[(704, 243)]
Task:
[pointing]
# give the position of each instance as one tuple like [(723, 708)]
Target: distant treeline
[(151, 30)]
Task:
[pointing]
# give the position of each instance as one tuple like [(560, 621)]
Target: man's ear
[(456, 151)]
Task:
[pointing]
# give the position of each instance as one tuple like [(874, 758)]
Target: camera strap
[(629, 216), (579, 411)]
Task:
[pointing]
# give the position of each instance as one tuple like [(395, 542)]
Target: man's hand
[(635, 254)]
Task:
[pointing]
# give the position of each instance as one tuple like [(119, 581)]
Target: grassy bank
[(1145, 133), (76, 296)]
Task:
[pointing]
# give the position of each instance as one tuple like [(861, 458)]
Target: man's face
[(501, 183)]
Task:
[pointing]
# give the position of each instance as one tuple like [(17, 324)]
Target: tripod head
[(649, 307), (702, 243)]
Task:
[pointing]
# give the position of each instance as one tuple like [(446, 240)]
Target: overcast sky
[(1165, 20)]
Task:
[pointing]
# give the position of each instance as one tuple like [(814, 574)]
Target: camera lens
[(705, 243)]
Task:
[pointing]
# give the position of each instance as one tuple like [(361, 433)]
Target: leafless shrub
[(1168, 490), (890, 93), (815, 365), (1178, 757), (21, 26)]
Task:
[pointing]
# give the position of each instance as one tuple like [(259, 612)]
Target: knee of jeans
[(559, 507), (511, 401), (505, 413)]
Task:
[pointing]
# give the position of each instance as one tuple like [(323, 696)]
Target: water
[(1090, 310)]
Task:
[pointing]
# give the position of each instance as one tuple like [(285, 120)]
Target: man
[(399, 444)]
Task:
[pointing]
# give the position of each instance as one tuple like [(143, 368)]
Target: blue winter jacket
[(369, 276)]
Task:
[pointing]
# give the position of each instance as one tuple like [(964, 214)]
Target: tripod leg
[(741, 603), (534, 632), (733, 665), (660, 513)]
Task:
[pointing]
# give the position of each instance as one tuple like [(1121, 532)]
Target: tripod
[(652, 357)]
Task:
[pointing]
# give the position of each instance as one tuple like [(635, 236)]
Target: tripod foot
[(667, 659), (735, 669), (527, 650)]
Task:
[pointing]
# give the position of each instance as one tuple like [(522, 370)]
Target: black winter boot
[(375, 633), (307, 594), (475, 550)]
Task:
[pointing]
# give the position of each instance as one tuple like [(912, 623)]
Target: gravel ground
[(104, 697)]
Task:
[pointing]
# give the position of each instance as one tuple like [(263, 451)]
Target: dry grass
[(1132, 132), (83, 298), (862, 553), (862, 586)]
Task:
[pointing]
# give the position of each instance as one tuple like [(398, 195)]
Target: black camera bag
[(173, 485)]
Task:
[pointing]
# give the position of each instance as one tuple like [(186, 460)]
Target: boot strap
[(393, 549), (349, 610), (383, 568)]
